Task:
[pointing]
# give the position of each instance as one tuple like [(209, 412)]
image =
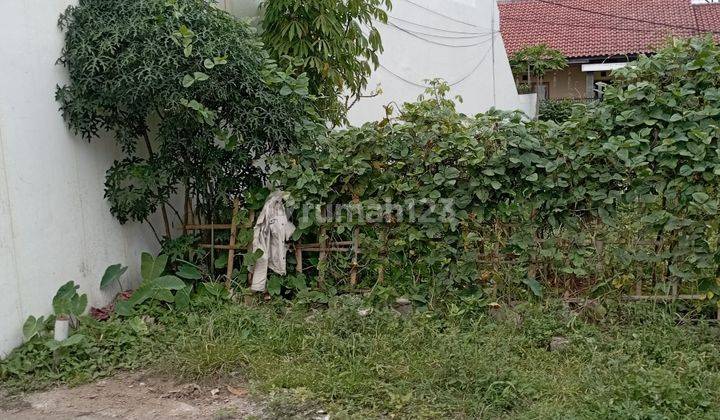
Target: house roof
[(592, 28)]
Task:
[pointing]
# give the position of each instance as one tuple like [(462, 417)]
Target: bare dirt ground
[(135, 396)]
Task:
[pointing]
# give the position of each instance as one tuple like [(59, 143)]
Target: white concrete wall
[(529, 104), (55, 225), (479, 73)]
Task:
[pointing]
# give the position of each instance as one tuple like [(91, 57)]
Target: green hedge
[(625, 190)]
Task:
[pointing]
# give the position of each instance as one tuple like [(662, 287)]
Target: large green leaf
[(152, 268), (33, 327), (534, 286), (167, 283), (189, 272), (112, 274)]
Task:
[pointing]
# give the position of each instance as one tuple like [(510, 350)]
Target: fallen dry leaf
[(240, 392)]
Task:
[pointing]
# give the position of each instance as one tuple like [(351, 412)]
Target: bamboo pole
[(356, 251), (323, 256), (231, 245), (330, 244), (298, 259), (251, 222), (209, 227), (225, 247)]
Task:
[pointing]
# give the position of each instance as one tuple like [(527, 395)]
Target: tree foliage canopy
[(334, 42), (537, 60), (186, 91)]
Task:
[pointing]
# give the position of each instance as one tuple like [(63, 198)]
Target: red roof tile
[(604, 27)]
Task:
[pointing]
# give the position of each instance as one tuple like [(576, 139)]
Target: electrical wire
[(444, 36), (435, 42), (438, 29), (435, 12), (638, 20), (462, 79)]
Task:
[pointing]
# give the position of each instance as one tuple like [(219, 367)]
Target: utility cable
[(435, 12), (437, 29), (435, 42), (443, 36), (462, 79)]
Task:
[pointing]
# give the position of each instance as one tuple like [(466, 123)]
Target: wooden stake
[(356, 251), (251, 222), (323, 256), (231, 245), (215, 226), (298, 259)]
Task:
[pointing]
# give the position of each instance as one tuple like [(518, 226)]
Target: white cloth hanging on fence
[(272, 231)]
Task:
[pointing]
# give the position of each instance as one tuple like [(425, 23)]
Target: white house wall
[(55, 225), (479, 73)]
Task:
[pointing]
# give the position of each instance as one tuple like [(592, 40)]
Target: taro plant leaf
[(298, 282), (216, 290), (189, 272), (534, 285), (168, 283), (152, 268), (73, 340), (68, 302), (182, 298), (221, 261), (274, 285), (33, 326), (112, 273), (160, 288), (78, 305), (251, 258)]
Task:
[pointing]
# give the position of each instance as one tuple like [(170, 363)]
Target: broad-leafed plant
[(536, 60), (335, 43), (186, 91)]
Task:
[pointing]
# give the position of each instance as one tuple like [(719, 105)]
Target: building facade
[(598, 37)]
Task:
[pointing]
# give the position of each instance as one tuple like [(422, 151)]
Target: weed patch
[(422, 365)]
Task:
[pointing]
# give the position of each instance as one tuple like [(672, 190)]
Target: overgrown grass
[(633, 363), (427, 365)]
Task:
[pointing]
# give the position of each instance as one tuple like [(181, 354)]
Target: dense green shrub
[(663, 123), (621, 191), (187, 92), (558, 110), (485, 181)]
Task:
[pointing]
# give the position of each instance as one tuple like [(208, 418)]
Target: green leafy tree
[(661, 117), (187, 92), (334, 42), (536, 61)]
